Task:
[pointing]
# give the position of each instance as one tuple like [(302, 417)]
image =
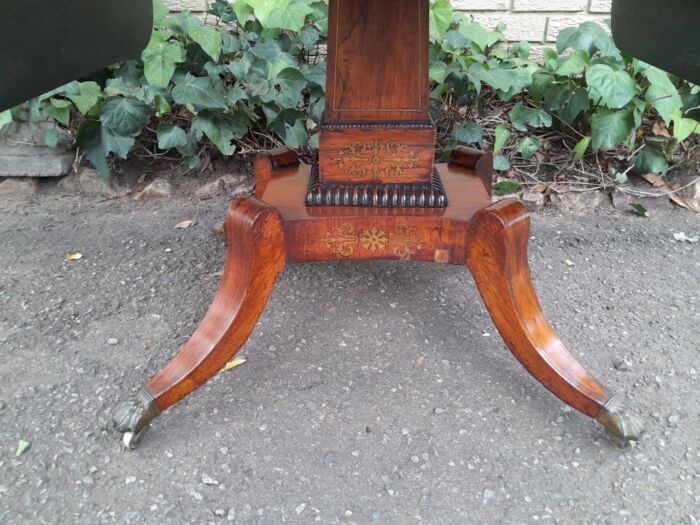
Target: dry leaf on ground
[(657, 181), (74, 256), (233, 364), (22, 447)]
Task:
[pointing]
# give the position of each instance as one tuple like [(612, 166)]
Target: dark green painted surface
[(47, 43), (665, 33)]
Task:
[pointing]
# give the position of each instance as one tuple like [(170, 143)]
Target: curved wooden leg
[(256, 256), (497, 258)]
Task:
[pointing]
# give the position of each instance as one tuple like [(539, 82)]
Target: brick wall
[(536, 21)]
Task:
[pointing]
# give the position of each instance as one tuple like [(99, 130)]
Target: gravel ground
[(373, 392)]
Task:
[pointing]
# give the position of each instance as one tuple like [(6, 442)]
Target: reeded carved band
[(376, 195)]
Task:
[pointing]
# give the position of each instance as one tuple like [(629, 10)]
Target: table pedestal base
[(276, 228)]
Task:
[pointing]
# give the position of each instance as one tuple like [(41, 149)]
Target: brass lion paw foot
[(133, 417), (623, 426)]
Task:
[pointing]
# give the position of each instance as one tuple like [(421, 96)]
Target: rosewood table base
[(276, 228)]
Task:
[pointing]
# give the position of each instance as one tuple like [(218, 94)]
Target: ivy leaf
[(115, 143), (222, 9), (521, 49), (89, 94), (522, 116), (289, 84), (170, 136), (502, 79), (503, 135), (574, 64), (581, 148), (438, 71), (610, 128), (291, 16), (181, 23), (58, 109), (475, 33), (683, 127), (5, 118), (506, 187), (440, 19), (162, 106), (309, 36), (268, 50), (662, 94), (220, 136), (468, 133), (317, 74), (159, 60), (160, 12), (588, 36), (281, 14), (639, 209), (500, 163), (650, 160), (89, 140), (576, 103), (296, 136), (125, 116), (208, 38), (528, 147), (220, 129), (615, 88), (199, 92), (455, 42), (242, 10), (257, 84)]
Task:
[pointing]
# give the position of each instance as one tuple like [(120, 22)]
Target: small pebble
[(207, 480), (623, 365), (112, 341)]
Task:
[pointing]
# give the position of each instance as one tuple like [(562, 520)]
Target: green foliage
[(249, 77), (605, 100), (243, 73)]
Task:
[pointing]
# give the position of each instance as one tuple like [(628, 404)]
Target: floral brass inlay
[(341, 240), (373, 239), (404, 239), (375, 160), (407, 240)]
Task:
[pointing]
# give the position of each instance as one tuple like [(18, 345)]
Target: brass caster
[(622, 425), (133, 417)]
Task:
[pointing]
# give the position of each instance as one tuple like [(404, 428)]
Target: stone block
[(24, 153)]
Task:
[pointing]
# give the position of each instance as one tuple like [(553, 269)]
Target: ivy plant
[(250, 74)]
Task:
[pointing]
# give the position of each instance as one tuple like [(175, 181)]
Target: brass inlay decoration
[(362, 160), (404, 239), (341, 240), (407, 240), (374, 239)]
